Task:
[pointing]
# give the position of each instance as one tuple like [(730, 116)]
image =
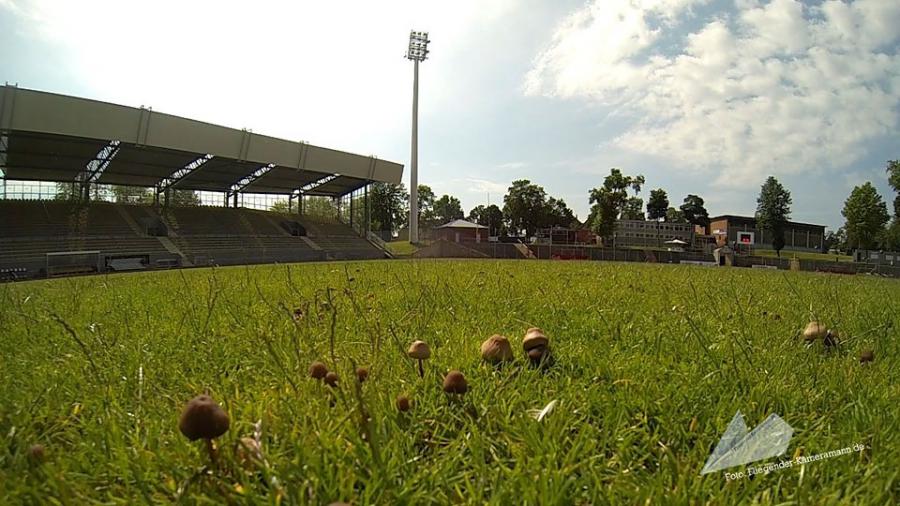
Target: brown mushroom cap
[(866, 356), (496, 349), (36, 453), (317, 370), (533, 338), (203, 418), (419, 350), (331, 379), (403, 403), (814, 330), (455, 383), (362, 374)]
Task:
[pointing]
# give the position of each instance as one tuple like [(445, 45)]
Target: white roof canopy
[(50, 137)]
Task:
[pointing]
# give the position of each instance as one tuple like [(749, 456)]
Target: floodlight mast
[(418, 52)]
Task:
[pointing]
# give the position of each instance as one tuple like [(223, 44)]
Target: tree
[(893, 170), (657, 208), (389, 206), (675, 216), (66, 191), (866, 214), (694, 212), (557, 214), (835, 239), (890, 238), (608, 201), (426, 200), (489, 216), (633, 209), (323, 208), (773, 210), (132, 195), (523, 207), (658, 204), (280, 206), (183, 198), (447, 209)]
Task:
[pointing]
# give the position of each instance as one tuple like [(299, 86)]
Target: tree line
[(527, 208)]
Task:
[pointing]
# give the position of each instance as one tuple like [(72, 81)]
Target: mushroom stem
[(421, 369), (213, 454)]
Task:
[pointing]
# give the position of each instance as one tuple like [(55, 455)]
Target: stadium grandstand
[(85, 147)]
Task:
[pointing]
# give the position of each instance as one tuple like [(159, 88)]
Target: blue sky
[(699, 96)]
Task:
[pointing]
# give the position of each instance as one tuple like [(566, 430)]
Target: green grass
[(652, 362), (803, 255), (402, 248)]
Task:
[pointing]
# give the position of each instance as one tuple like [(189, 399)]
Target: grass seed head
[(496, 350), (403, 403), (203, 418), (362, 374), (455, 383), (317, 370), (331, 379)]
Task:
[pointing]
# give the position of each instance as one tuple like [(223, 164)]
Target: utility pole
[(418, 52)]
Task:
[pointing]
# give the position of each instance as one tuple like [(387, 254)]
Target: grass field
[(803, 255), (651, 363)]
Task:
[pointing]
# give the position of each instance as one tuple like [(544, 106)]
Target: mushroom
[(331, 379), (455, 383), (362, 374), (814, 330), (832, 338), (36, 453), (536, 345), (496, 350), (203, 418), (403, 403), (866, 356), (317, 370), (420, 351)]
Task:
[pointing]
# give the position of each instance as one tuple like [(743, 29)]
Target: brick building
[(461, 230), (743, 230), (645, 233)]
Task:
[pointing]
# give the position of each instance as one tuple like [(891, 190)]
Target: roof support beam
[(95, 167), (177, 176), (315, 184), (4, 147), (248, 180)]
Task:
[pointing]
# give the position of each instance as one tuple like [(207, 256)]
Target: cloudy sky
[(699, 96)]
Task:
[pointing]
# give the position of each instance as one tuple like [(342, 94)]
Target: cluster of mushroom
[(831, 339), (454, 382), (497, 348)]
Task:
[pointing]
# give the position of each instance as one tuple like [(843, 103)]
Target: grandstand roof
[(50, 137)]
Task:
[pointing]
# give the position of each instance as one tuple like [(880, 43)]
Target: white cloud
[(328, 72), (481, 186), (512, 165), (771, 87)]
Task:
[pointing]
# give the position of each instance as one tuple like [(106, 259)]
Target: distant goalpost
[(72, 262)]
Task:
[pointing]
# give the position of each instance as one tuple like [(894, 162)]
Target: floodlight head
[(418, 46)]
